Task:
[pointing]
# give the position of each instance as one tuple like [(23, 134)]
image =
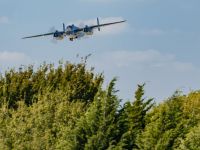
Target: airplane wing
[(46, 34), (107, 24), (100, 25)]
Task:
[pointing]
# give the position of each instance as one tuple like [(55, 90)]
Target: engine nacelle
[(88, 30), (58, 35)]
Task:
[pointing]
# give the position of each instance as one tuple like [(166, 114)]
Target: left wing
[(99, 25), (38, 35), (107, 24)]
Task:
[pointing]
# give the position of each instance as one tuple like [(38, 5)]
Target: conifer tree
[(132, 118), (97, 128)]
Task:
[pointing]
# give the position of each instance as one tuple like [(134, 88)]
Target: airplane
[(74, 32)]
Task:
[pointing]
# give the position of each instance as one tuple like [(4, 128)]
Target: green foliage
[(192, 140), (97, 129), (42, 123), (132, 118), (167, 125), (26, 85), (65, 107)]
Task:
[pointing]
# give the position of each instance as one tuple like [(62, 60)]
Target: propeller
[(52, 29), (53, 40), (82, 25)]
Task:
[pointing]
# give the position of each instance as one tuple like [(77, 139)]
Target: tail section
[(98, 24)]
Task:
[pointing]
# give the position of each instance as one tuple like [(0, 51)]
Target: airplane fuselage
[(74, 32)]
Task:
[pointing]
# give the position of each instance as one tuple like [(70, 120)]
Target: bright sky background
[(159, 44)]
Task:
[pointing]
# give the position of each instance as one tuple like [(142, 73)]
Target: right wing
[(38, 35)]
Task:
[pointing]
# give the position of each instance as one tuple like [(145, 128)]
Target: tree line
[(66, 107)]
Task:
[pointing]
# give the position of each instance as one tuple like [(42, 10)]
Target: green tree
[(27, 84), (132, 118), (165, 125), (97, 129), (192, 140)]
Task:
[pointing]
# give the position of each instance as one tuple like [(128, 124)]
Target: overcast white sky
[(159, 44)]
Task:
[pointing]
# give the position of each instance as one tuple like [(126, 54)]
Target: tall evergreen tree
[(97, 128), (132, 118)]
